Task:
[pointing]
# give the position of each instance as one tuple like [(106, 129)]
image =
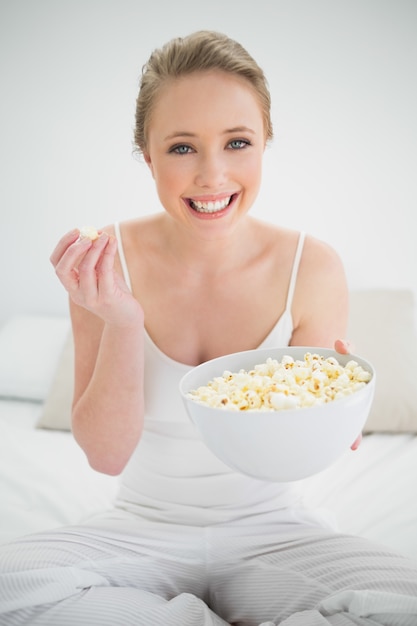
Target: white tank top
[(172, 476)]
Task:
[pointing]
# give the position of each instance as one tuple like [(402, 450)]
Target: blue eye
[(181, 149), (238, 144)]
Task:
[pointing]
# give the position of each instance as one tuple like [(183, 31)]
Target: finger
[(105, 267), (342, 346), (67, 240), (66, 266), (87, 268), (355, 445)]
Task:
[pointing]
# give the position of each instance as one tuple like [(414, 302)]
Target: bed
[(45, 480)]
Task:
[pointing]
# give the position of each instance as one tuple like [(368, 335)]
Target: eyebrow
[(228, 131), (239, 129)]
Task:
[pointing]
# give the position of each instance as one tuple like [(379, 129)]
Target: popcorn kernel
[(288, 384)]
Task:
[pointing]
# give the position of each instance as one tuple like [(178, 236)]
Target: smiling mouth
[(210, 207)]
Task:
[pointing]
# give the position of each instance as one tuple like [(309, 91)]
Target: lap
[(113, 551), (247, 575), (270, 576)]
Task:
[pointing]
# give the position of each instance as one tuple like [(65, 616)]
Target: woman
[(189, 541)]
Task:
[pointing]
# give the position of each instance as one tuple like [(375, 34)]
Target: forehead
[(209, 98)]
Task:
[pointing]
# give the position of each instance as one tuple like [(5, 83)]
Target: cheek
[(174, 176), (169, 184), (168, 181), (253, 170)]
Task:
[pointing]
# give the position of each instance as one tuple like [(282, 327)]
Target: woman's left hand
[(342, 347)]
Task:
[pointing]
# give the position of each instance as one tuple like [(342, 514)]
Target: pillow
[(381, 329), (56, 413), (30, 348)]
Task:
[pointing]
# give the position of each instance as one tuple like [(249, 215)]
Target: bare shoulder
[(320, 308), (277, 241), (320, 256), (319, 260), (138, 236), (134, 227), (321, 270)]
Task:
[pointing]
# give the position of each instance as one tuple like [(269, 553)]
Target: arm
[(321, 300), (322, 303), (107, 321)]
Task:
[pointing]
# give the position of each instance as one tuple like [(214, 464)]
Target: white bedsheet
[(372, 491), (45, 481)]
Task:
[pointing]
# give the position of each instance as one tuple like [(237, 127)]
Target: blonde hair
[(200, 51)]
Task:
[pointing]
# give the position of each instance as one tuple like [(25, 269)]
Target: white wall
[(343, 164)]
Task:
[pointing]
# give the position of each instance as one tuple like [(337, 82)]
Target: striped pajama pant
[(119, 570)]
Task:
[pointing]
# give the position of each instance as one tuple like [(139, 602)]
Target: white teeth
[(210, 207)]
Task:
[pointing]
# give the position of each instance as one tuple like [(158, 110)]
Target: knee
[(193, 607)]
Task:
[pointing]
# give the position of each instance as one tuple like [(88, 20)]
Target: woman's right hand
[(86, 270)]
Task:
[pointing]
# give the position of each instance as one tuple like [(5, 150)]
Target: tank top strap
[(294, 273), (122, 257)]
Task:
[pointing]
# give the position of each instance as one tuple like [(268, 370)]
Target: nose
[(211, 171)]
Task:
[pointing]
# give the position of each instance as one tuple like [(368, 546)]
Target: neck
[(212, 255)]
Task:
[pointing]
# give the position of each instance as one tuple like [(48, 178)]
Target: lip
[(211, 198)]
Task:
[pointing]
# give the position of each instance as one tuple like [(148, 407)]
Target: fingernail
[(85, 241)]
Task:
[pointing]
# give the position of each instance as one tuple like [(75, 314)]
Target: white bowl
[(284, 445)]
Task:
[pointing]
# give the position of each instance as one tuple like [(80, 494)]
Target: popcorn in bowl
[(288, 383)]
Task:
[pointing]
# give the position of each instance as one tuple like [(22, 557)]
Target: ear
[(148, 162)]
